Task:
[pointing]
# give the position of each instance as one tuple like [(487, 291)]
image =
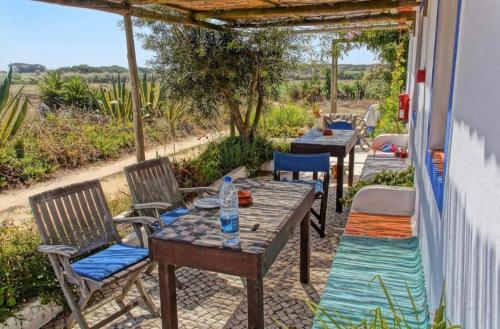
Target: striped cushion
[(378, 226), (349, 292)]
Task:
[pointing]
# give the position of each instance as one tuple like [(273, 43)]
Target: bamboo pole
[(358, 19), (318, 10), (134, 86), (333, 98), (134, 11), (375, 27)]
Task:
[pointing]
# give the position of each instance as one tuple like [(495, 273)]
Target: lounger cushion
[(378, 226), (350, 291), (109, 261), (318, 185), (170, 216)]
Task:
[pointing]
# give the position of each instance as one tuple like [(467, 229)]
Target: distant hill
[(82, 68), (346, 71)]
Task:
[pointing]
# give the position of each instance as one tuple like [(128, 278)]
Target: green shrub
[(390, 178), (56, 142), (221, 157), (24, 272), (284, 120)]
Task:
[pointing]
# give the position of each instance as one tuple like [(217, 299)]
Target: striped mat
[(378, 226), (349, 292)]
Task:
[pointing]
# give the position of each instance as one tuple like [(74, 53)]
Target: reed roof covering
[(225, 14)]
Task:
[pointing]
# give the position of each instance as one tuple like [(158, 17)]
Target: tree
[(231, 69)]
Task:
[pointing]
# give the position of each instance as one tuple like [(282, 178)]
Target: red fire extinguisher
[(404, 107)]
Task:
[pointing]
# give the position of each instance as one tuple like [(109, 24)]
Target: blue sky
[(55, 36)]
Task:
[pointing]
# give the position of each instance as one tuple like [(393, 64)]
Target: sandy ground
[(14, 203)]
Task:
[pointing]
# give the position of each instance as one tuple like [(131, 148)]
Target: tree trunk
[(232, 129), (258, 112), (251, 95), (234, 107)]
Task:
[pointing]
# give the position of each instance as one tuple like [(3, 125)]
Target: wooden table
[(340, 144), (195, 241)]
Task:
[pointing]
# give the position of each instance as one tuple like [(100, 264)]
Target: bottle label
[(230, 224)]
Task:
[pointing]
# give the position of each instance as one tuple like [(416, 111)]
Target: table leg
[(255, 296), (305, 248), (340, 183), (351, 167), (168, 296)]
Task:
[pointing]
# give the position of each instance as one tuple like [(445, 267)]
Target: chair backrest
[(301, 162), (153, 181), (340, 125), (76, 215)]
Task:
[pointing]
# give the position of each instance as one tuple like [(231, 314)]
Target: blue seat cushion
[(109, 261), (170, 216), (318, 185)]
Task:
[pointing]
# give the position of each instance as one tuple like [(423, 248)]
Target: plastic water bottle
[(229, 213)]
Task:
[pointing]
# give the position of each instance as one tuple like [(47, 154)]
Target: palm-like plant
[(12, 109), (51, 88), (77, 93), (117, 102)]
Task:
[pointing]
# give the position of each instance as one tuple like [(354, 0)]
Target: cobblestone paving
[(212, 300)]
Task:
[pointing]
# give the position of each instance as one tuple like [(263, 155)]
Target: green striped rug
[(358, 260)]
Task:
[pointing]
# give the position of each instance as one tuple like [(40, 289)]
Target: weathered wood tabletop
[(340, 144), (195, 241)]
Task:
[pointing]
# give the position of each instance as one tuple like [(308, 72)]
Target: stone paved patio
[(212, 300)]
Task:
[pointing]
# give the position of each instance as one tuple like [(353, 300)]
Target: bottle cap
[(227, 179)]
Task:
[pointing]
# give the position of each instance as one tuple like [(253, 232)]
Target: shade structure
[(221, 14), (350, 292), (379, 226)]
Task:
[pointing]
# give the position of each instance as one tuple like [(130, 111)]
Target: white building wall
[(430, 228), (461, 247)]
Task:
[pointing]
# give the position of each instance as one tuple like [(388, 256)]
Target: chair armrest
[(58, 249), (199, 189), (396, 139), (143, 220), (152, 205), (385, 200)]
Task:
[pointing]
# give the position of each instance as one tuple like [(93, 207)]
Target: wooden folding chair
[(80, 238), (155, 191)]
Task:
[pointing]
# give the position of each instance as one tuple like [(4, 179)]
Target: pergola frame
[(331, 15)]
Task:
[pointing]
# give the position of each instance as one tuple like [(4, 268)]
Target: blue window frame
[(437, 166)]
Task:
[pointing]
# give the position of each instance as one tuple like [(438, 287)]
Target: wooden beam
[(340, 28), (134, 11), (291, 11), (378, 18), (134, 86)]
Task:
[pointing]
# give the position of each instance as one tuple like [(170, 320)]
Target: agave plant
[(117, 102), (51, 88), (174, 112), (12, 109), (77, 93), (152, 95)]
